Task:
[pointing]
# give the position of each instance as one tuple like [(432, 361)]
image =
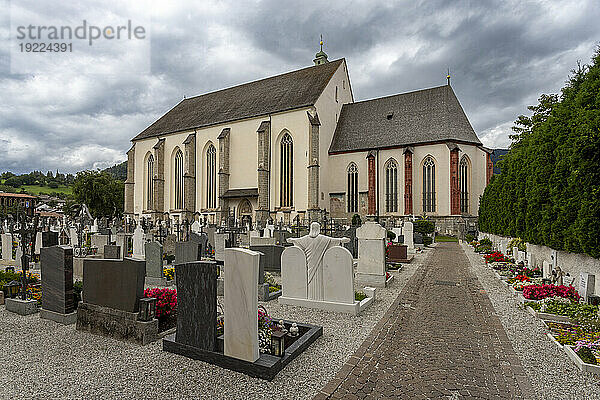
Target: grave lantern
[(278, 343), (13, 288), (147, 309)]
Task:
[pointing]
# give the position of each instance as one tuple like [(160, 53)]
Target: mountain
[(118, 171)]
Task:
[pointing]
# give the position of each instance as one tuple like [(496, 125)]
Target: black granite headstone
[(49, 239), (117, 284), (417, 238), (197, 304), (186, 252), (201, 239), (57, 285), (271, 260)]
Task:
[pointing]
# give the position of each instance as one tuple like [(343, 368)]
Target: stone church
[(297, 144)]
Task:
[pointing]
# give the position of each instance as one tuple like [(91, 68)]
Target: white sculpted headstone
[(74, 237), (7, 247), (314, 246), (38, 242), (241, 303), (408, 236), (547, 269), (138, 242), (371, 254), (219, 246), (317, 272)]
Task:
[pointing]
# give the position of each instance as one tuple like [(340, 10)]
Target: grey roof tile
[(296, 89), (428, 115)]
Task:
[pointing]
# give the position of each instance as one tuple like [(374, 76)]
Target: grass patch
[(36, 190), (443, 238)]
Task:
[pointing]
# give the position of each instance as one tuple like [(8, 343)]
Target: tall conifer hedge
[(548, 192)]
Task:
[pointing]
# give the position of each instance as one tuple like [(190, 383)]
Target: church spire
[(321, 56)]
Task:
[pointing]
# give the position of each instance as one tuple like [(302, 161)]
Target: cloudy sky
[(79, 111)]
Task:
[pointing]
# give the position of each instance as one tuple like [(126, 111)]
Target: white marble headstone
[(138, 242), (398, 232), (371, 253), (587, 282), (547, 269), (38, 242), (338, 277), (294, 273), (195, 227), (241, 304), (7, 247), (74, 237), (408, 235)]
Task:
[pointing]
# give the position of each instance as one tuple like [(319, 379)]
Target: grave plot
[(239, 339)]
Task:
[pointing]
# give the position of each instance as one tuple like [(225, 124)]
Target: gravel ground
[(42, 359), (551, 373)]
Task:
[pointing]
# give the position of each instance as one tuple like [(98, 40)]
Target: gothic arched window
[(287, 171), (391, 186), (429, 185), (463, 179), (352, 194), (149, 182), (211, 177), (178, 179)]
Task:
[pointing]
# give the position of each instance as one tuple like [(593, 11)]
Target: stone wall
[(572, 263)]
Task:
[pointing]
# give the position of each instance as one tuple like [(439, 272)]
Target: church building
[(297, 144)]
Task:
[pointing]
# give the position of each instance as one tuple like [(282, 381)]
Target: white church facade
[(298, 145)]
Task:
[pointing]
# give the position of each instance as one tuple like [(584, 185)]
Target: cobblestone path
[(439, 339)]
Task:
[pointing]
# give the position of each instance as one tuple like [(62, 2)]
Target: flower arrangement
[(265, 327), (274, 286), (359, 296), (169, 273), (166, 302), (540, 292), (496, 257)]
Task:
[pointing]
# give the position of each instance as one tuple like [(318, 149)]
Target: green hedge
[(548, 192)]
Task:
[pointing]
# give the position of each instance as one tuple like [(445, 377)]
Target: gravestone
[(197, 304), (522, 256), (202, 240), (210, 233), (410, 237), (262, 241), (138, 242), (99, 241), (371, 254), (531, 261), (186, 252), (169, 244), (241, 304), (398, 232), (154, 263), (38, 242), (338, 277), (58, 303), (547, 269), (7, 243), (49, 239), (122, 240), (220, 246), (195, 227), (316, 271), (271, 259), (515, 253), (112, 290), (111, 251), (74, 237), (294, 282), (587, 283), (19, 251), (116, 284)]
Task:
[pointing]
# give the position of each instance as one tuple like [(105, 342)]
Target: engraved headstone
[(154, 260), (57, 285)]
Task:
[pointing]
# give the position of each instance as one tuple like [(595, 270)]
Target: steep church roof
[(423, 116), (284, 92)]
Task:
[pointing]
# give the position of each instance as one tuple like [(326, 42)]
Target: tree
[(549, 190), (103, 194)]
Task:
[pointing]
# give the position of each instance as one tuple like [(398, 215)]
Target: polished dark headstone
[(186, 252), (57, 283), (111, 251), (169, 244), (49, 239), (271, 260), (117, 284), (397, 253), (197, 304)]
